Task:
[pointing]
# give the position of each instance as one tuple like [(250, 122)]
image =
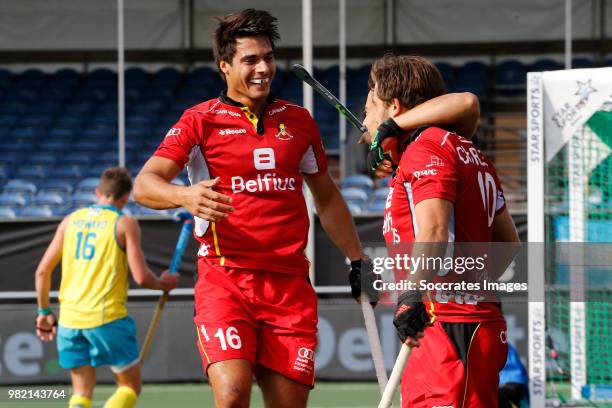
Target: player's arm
[(432, 217), (334, 214), (128, 233), (458, 112), (504, 231), (153, 189), (45, 321)]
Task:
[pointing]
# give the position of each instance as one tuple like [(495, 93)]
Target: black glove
[(410, 316), (388, 128), (362, 277)]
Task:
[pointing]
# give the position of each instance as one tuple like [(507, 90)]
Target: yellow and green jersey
[(94, 269)]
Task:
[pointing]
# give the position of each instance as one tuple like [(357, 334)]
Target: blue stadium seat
[(21, 95), (49, 199), (71, 120), (167, 76), (6, 171), (473, 70), (83, 199), (92, 95), (13, 107), (90, 146), (380, 193), (448, 73), (7, 119), (545, 64), (135, 209), (31, 173), (55, 145), (20, 186), (109, 107), (8, 213), (136, 77), (582, 62), (101, 77), (360, 181), (56, 94), (15, 147), (104, 119), (135, 132), (376, 206), (77, 158), (14, 200), (66, 77), (42, 158), (30, 133), (88, 185), (62, 132), (36, 212), (44, 107), (6, 77), (354, 194), (511, 77), (79, 107), (96, 170), (57, 186), (37, 119), (355, 207), (148, 107), (99, 132), (67, 173)]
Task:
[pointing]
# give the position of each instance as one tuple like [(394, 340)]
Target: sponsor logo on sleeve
[(424, 173), (173, 132)]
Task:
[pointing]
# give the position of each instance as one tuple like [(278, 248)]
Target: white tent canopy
[(161, 24)]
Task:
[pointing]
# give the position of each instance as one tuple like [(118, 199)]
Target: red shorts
[(267, 318), (457, 365)]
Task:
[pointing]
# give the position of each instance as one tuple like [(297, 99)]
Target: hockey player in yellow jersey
[(95, 245)]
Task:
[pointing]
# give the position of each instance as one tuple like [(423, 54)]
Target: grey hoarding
[(342, 354)]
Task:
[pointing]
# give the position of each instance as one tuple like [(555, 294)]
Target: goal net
[(569, 228)]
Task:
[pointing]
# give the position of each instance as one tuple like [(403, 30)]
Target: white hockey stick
[(374, 339), (396, 376)]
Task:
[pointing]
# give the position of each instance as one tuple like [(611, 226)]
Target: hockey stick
[(179, 250), (366, 307), (301, 72), (374, 339), (396, 376)]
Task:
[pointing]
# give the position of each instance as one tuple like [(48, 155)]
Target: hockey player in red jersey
[(443, 190)]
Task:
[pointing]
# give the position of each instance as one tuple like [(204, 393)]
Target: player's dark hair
[(245, 23), (411, 79), (115, 182)]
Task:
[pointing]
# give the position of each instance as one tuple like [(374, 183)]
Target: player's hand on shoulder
[(203, 201), (46, 327), (168, 281), (411, 318)]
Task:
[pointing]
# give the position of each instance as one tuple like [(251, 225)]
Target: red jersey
[(260, 162), (441, 164)]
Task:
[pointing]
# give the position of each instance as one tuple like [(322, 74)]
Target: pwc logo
[(422, 173)]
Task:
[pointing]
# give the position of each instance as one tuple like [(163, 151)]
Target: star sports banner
[(568, 108)]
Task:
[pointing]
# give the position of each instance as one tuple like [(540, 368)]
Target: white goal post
[(559, 103)]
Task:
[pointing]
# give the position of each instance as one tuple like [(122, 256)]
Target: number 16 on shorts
[(226, 338)]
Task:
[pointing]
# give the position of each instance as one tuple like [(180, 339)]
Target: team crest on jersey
[(282, 132)]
